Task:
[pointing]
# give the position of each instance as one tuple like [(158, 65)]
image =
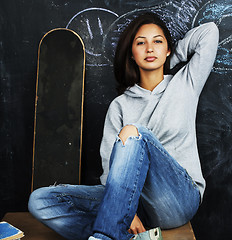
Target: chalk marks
[(100, 26), (89, 29), (91, 24), (221, 14), (89, 10), (181, 15)]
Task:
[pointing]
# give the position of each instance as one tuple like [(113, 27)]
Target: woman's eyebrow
[(158, 36), (153, 36)]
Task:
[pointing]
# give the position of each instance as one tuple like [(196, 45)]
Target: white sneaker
[(152, 234)]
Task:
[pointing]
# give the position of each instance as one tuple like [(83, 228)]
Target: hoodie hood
[(138, 92)]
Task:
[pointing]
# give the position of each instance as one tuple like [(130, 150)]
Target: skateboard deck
[(58, 109)]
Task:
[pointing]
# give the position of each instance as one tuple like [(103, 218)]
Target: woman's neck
[(150, 79)]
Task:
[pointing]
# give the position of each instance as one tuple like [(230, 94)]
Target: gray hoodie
[(169, 111)]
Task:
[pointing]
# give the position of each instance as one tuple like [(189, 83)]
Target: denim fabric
[(69, 210), (143, 178)]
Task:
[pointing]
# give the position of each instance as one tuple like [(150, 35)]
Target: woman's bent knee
[(32, 203), (36, 201), (128, 131)]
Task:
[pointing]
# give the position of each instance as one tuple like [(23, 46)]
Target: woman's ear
[(169, 52)]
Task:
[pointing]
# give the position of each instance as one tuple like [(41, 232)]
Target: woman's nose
[(149, 49)]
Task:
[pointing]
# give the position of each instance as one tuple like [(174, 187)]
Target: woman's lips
[(150, 59)]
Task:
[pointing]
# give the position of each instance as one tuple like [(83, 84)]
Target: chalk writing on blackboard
[(91, 24), (221, 14)]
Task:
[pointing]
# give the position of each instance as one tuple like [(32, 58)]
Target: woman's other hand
[(136, 226)]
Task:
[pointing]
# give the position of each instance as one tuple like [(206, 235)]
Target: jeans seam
[(194, 184), (160, 149), (68, 202), (181, 171), (71, 203), (134, 187), (76, 196)]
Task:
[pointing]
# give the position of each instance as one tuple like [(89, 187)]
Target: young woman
[(152, 174)]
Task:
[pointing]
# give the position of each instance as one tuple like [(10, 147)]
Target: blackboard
[(99, 23)]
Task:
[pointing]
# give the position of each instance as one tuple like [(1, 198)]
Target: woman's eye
[(140, 43), (158, 41)]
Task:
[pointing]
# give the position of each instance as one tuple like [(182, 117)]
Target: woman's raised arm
[(198, 48)]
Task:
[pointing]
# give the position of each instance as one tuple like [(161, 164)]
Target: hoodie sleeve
[(112, 126), (199, 46)]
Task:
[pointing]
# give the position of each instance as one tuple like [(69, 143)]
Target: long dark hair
[(125, 69)]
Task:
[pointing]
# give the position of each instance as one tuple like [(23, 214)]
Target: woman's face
[(150, 48)]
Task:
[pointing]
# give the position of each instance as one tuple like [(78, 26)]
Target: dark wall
[(99, 22)]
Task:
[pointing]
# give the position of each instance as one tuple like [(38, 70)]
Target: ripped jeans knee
[(129, 131)]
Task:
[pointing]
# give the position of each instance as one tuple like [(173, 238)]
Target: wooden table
[(34, 230)]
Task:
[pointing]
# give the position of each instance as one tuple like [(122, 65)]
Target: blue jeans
[(143, 179)]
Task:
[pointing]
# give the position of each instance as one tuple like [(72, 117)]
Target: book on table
[(9, 232)]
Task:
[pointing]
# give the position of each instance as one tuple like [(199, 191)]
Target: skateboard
[(58, 124)]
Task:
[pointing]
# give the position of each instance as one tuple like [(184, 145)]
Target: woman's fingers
[(136, 226)]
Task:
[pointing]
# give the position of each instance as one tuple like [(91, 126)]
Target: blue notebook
[(9, 232)]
